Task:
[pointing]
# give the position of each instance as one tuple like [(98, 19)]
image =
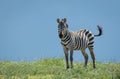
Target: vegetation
[(55, 69)]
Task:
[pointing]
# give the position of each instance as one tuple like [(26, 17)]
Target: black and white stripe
[(79, 40)]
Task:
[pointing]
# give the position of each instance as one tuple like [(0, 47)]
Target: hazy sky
[(28, 28)]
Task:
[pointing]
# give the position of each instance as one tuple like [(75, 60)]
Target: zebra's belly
[(80, 43), (79, 48), (72, 46)]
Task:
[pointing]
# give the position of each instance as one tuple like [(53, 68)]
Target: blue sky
[(28, 28)]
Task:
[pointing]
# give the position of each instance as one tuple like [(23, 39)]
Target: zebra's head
[(62, 27)]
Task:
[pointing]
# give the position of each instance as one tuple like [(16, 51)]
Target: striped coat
[(79, 40)]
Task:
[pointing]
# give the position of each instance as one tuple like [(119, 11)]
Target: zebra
[(79, 40)]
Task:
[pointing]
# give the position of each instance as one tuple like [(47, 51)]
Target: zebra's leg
[(71, 58), (85, 57), (92, 56), (66, 57)]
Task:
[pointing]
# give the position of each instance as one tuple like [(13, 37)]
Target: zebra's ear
[(64, 20), (58, 20)]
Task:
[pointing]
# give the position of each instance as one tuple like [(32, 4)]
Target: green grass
[(55, 69)]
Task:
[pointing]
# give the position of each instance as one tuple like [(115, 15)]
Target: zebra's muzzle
[(60, 35)]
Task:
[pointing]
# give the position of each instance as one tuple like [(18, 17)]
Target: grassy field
[(55, 69)]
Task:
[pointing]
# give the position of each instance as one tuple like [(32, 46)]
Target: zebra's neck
[(66, 35), (66, 38)]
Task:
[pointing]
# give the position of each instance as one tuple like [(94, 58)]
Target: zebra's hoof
[(94, 67), (67, 67)]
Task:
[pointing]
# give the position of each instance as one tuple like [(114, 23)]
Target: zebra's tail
[(100, 31)]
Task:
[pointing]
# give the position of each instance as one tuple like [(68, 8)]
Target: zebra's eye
[(59, 26)]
